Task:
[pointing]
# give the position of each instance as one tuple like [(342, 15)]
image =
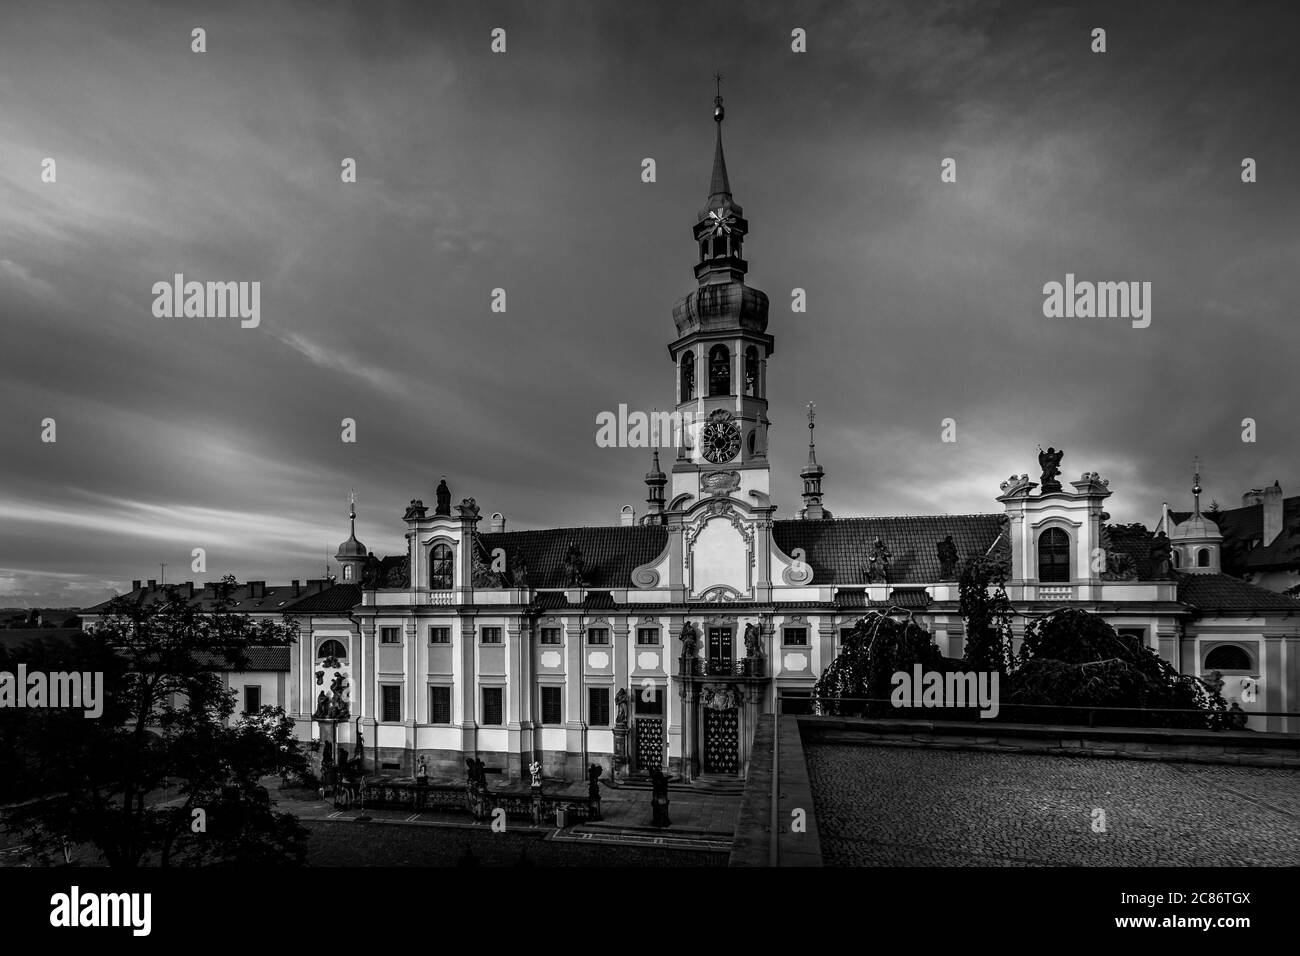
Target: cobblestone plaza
[(902, 806)]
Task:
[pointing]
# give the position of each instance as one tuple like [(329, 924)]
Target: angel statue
[(1050, 462)]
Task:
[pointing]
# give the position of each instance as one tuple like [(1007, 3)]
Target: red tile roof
[(1222, 592), (838, 549)]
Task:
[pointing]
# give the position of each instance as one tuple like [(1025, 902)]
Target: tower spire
[(812, 475), (655, 480), (719, 187)]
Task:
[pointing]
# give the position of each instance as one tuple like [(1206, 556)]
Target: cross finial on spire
[(1196, 483), (718, 79)]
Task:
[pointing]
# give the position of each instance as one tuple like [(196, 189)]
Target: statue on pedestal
[(659, 798), (535, 769), (947, 559), (443, 495), (621, 708), (573, 566), (690, 640), (1161, 556), (1050, 462)]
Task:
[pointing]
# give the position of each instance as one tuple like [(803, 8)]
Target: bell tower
[(720, 354)]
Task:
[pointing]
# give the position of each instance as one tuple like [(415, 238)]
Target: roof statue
[(1050, 462)]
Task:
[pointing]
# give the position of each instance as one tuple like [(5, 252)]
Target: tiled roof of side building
[(248, 598), (259, 659), (838, 549), (1222, 592), (339, 598), (609, 554)]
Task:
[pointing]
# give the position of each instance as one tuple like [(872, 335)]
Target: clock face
[(721, 439)]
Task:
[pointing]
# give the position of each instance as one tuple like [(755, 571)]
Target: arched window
[(347, 572), (332, 648), (688, 376), (1053, 556), (719, 370), (751, 371), (1227, 657), (1203, 558), (1177, 559), (441, 568)]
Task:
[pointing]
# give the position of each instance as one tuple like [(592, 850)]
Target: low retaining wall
[(1244, 748), (797, 842)]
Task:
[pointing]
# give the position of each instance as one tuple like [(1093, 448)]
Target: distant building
[(264, 682), (1260, 541)]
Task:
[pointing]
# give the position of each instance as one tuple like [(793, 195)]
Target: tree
[(1071, 657), (878, 648), (987, 616), (165, 733)]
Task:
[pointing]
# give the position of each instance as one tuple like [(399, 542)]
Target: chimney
[(135, 585), (1272, 513), (497, 524), (257, 589), (1253, 497), (627, 516), (297, 587), (153, 583), (187, 589)]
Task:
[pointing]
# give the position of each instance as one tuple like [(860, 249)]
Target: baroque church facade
[(662, 642)]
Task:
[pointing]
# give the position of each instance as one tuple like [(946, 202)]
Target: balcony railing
[(745, 667), (442, 598), (1055, 592)]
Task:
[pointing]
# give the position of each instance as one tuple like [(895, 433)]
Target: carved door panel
[(721, 741), (649, 742), (719, 650)]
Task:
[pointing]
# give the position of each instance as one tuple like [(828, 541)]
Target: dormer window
[(1054, 556), (441, 568)]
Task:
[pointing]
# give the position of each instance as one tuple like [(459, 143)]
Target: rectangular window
[(552, 704), (795, 637), (390, 635), (492, 707), (597, 635), (491, 635), (439, 635), (650, 701), (439, 705), (598, 706), (392, 703), (647, 635), (550, 635), (252, 698)]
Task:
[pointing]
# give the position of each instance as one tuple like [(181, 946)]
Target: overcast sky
[(522, 170)]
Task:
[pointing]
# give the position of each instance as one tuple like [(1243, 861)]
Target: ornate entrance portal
[(721, 741), (649, 743)]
